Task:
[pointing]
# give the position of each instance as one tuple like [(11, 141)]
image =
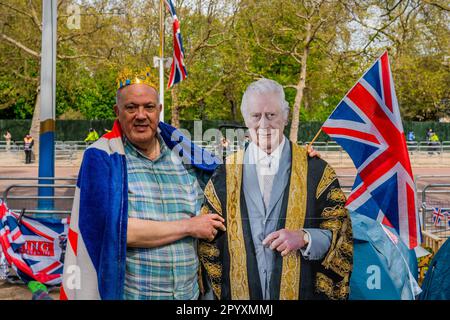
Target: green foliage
[(229, 44)]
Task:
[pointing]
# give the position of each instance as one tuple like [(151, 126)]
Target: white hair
[(265, 86)]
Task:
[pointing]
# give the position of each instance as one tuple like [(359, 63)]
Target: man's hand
[(312, 152), (285, 241), (206, 226)]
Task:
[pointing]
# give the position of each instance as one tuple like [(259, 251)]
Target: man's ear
[(116, 110)]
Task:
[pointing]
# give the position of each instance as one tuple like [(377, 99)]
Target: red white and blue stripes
[(178, 69), (33, 247), (367, 124), (96, 246)]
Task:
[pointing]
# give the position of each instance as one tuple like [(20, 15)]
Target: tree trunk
[(293, 136), (36, 123), (233, 110), (201, 104), (175, 109)]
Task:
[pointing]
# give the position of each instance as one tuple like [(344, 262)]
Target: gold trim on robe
[(327, 179), (212, 198), (236, 245), (209, 253), (295, 219), (337, 195)]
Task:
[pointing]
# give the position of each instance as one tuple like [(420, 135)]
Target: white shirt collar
[(260, 158), (258, 154)]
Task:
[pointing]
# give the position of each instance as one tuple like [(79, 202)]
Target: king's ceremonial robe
[(305, 195)]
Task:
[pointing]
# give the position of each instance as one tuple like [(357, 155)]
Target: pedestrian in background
[(430, 132), (92, 136), (412, 144), (7, 137), (28, 147), (434, 139)]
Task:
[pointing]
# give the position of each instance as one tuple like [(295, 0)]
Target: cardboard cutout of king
[(288, 234)]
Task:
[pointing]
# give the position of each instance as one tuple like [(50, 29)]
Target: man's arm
[(149, 234)]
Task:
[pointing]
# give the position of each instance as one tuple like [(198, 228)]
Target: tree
[(417, 35), (20, 32), (297, 30), (316, 49), (206, 27)]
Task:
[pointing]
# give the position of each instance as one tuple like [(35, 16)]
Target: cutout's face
[(138, 112), (265, 121)]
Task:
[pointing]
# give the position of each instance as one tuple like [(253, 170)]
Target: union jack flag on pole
[(178, 69), (439, 216), (367, 124)]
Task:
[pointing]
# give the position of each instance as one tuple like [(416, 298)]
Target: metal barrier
[(74, 145), (68, 150), (18, 145), (34, 199), (65, 152), (28, 200), (418, 180), (413, 146), (435, 233), (14, 146)]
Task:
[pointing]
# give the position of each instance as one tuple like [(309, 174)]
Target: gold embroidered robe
[(312, 199)]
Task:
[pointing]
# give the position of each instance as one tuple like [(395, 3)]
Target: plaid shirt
[(161, 190)]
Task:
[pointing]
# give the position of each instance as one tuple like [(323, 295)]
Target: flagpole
[(161, 58), (315, 137)]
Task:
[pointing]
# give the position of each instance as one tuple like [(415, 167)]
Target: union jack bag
[(34, 247)]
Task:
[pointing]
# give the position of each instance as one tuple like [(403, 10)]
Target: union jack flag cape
[(367, 124), (178, 69), (94, 266), (33, 246)]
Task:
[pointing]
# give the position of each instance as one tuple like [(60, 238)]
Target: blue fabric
[(372, 76), (436, 285), (374, 250), (188, 151), (103, 200)]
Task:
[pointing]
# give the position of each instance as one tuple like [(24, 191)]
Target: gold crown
[(127, 77)]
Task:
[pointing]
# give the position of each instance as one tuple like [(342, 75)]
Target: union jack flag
[(367, 124), (439, 216), (178, 69), (33, 247)]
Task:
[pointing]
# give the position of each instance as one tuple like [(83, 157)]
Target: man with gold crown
[(135, 221), (288, 234)]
